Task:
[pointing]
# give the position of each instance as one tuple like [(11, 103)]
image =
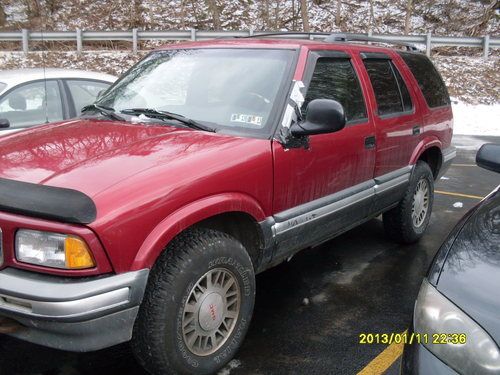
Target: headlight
[(52, 250), (435, 314)]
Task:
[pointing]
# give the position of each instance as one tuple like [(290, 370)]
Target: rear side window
[(335, 78), (390, 90), (430, 82)]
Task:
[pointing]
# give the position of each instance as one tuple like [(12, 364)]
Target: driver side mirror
[(322, 116), (4, 123), (488, 157)]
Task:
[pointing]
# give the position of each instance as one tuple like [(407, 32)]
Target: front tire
[(407, 222), (198, 305)]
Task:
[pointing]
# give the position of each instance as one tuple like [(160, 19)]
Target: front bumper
[(418, 360), (71, 314)]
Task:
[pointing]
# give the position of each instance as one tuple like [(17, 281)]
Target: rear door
[(327, 186), (398, 124)]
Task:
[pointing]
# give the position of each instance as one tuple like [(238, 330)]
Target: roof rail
[(335, 38), (284, 33), (348, 37)]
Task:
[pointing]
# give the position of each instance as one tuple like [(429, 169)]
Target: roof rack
[(348, 37), (336, 37)]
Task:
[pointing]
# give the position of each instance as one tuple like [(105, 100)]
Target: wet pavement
[(310, 311)]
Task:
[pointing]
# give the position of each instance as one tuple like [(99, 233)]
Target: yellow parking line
[(458, 194), (384, 360)]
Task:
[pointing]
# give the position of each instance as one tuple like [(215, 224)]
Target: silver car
[(30, 97)]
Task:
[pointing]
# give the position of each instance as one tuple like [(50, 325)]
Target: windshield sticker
[(246, 119)]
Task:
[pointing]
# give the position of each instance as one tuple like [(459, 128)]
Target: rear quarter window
[(429, 80)]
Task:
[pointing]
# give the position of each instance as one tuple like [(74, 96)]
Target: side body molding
[(315, 222)]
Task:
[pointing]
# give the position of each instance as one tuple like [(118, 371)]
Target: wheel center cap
[(211, 312)]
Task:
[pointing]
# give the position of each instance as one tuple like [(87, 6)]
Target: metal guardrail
[(135, 35)]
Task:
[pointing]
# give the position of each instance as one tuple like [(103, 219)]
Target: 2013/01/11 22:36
[(414, 337)]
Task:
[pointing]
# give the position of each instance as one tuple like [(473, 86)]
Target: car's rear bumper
[(78, 315), (448, 154)]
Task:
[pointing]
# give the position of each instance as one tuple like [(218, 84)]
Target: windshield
[(226, 88)]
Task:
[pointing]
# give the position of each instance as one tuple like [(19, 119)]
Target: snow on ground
[(478, 119)]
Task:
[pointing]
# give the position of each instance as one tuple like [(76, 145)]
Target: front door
[(326, 187)]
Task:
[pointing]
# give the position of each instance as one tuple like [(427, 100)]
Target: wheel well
[(241, 226), (432, 156)]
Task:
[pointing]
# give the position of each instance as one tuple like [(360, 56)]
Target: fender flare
[(423, 145), (188, 215)]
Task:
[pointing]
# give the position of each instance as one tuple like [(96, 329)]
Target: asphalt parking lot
[(311, 310)]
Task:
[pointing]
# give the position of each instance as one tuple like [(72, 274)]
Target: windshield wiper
[(104, 110), (162, 115)]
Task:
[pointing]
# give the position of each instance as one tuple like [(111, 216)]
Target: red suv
[(147, 218)]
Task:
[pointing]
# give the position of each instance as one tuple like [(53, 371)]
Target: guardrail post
[(250, 32), (486, 46), (193, 34), (26, 36), (134, 41), (79, 42), (428, 45)]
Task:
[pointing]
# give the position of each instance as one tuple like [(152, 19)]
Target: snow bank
[(479, 119)]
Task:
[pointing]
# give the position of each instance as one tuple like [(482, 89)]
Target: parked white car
[(30, 97)]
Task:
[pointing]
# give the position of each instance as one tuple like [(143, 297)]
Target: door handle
[(370, 142), (416, 130)]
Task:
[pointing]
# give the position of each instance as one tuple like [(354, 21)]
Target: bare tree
[(214, 10), (266, 15), (3, 16), (371, 20), (488, 14), (305, 16), (338, 13), (409, 12)]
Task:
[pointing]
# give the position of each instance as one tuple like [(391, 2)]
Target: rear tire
[(197, 306), (407, 222)]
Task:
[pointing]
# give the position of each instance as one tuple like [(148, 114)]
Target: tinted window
[(32, 104), (335, 79), (405, 95), (385, 86), (85, 92), (428, 78)]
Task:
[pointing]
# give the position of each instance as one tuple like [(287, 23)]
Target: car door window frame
[(62, 96), (72, 112), (394, 69), (312, 59)]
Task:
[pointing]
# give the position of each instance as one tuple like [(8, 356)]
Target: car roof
[(276, 43), (15, 77)]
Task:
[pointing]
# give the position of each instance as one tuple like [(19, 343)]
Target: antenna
[(44, 76)]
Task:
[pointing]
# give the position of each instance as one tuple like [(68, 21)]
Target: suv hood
[(470, 276), (91, 155)]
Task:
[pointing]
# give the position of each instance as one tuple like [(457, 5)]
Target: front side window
[(84, 92), (32, 104), (430, 82), (225, 88), (335, 78)]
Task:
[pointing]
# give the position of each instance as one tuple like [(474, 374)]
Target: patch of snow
[(478, 119), (458, 204), (444, 178), (229, 367)]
